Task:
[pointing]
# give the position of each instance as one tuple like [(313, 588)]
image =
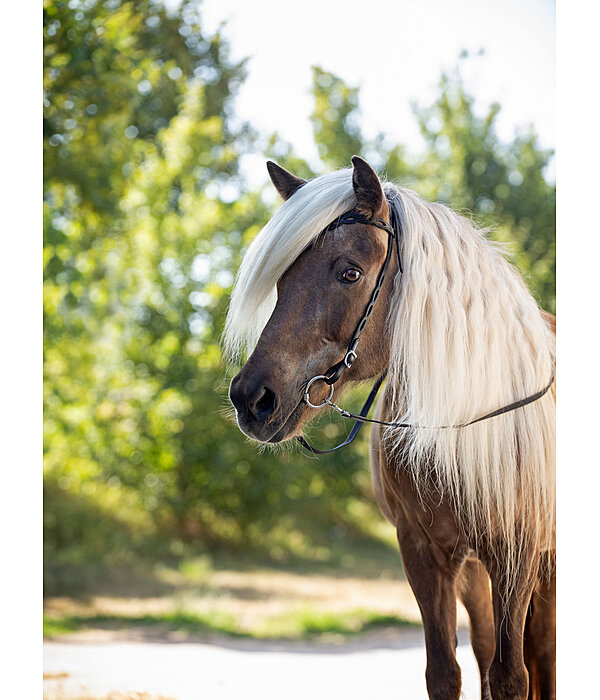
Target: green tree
[(146, 220), (335, 119), (501, 184), (130, 89)]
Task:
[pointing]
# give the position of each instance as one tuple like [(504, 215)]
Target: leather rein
[(333, 374)]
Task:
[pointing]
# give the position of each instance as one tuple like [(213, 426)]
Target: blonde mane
[(466, 337)]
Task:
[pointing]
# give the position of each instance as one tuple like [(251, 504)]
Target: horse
[(354, 279)]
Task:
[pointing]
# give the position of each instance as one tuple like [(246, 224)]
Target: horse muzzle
[(258, 407)]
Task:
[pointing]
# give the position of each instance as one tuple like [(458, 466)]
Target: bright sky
[(395, 51)]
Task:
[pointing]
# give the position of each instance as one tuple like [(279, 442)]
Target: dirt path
[(387, 666)]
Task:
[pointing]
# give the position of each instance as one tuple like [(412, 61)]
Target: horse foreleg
[(540, 641), (432, 573), (474, 592)]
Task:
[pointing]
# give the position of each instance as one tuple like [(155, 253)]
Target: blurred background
[(158, 117)]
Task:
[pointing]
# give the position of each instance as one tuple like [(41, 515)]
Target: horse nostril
[(265, 405), (252, 400)]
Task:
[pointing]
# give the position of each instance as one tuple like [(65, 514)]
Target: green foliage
[(145, 221), (335, 119), (502, 185)]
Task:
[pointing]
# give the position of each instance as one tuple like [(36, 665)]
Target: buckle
[(350, 357)]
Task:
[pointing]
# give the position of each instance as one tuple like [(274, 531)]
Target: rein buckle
[(350, 357)]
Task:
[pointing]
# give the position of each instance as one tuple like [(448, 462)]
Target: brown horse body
[(512, 629), (513, 641)]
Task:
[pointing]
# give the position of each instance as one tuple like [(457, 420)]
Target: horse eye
[(351, 275)]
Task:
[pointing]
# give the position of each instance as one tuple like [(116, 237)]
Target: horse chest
[(423, 511)]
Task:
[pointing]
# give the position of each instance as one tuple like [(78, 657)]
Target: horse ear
[(367, 187), (285, 183)]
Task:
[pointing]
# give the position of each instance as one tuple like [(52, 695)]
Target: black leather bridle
[(332, 375)]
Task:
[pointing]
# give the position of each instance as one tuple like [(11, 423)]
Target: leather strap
[(351, 217), (361, 418)]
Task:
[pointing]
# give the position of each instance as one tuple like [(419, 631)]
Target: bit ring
[(307, 392)]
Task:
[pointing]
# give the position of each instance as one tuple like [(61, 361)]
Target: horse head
[(321, 298)]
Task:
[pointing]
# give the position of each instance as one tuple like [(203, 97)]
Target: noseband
[(332, 375)]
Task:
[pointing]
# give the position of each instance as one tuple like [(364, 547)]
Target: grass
[(309, 623), (178, 621), (296, 625), (56, 626)]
